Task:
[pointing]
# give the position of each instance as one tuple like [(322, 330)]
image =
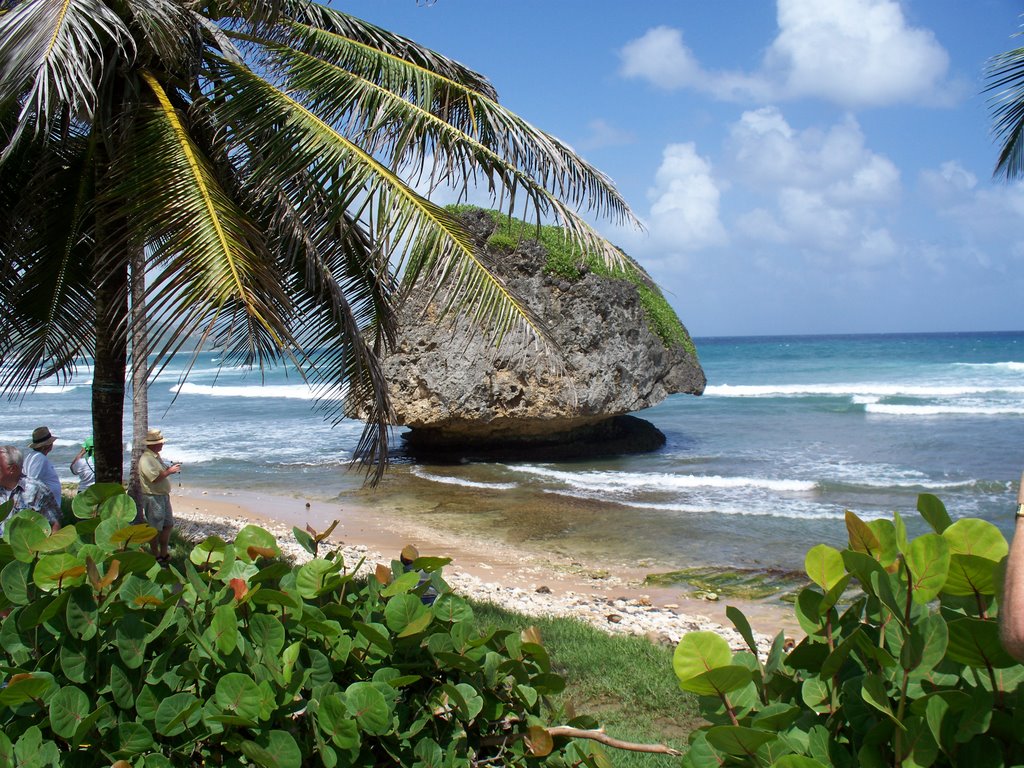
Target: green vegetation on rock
[(568, 261), (742, 584)]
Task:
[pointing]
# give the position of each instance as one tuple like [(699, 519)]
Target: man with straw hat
[(156, 494), (38, 465)]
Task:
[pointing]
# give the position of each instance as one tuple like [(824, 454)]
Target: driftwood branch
[(596, 734)]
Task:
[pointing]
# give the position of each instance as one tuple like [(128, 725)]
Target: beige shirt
[(150, 468)]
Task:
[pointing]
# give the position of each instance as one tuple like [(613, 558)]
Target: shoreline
[(611, 598)]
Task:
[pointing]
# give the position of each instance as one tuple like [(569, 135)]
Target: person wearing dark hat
[(82, 465), (38, 465), (156, 494)]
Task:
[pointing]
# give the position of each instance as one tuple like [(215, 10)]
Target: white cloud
[(660, 57), (817, 191), (685, 201), (855, 53)]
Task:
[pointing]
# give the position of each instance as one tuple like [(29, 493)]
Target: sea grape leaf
[(133, 739), (133, 534), (68, 707), (824, 566), (225, 628), (816, 694), (927, 557), (697, 652), (975, 642), (798, 761), (452, 609), (23, 688), (209, 551), (862, 538), (313, 576), (86, 503), (25, 534), (926, 645), (972, 536), (237, 693), (58, 570), (130, 639), (305, 540), (176, 712), (369, 707), (81, 613), (275, 749), (738, 740), (874, 693), (254, 536), (934, 512), (887, 537), (718, 680), (739, 620), (14, 581), (58, 540), (403, 583), (970, 575)]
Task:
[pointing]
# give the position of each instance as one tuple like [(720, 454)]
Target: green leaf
[(970, 575), (452, 609), (255, 537), (718, 681), (132, 535), (971, 536), (816, 694), (776, 717), (402, 610), (176, 712), (374, 636), (798, 761), (130, 639), (238, 694), (874, 693), (305, 540), (862, 538), (739, 620), (698, 652), (68, 707), (824, 566), (267, 634), (934, 512), (209, 551), (403, 583), (133, 739), (81, 613), (59, 570), (737, 740), (274, 749), (225, 628), (24, 689), (336, 723), (58, 540), (975, 642), (14, 581), (25, 534), (369, 708), (313, 577), (888, 537), (86, 503), (928, 560)]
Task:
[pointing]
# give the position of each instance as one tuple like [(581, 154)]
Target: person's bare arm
[(1011, 611)]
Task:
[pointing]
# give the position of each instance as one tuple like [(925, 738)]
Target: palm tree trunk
[(140, 371), (110, 366)]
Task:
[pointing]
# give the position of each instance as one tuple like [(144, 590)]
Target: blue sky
[(801, 166)]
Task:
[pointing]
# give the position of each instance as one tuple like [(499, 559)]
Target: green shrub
[(901, 664), (238, 658)]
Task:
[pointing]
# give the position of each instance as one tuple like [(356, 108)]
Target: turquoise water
[(791, 432)]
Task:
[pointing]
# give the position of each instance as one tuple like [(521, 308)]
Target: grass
[(624, 682)]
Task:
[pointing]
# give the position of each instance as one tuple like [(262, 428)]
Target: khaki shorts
[(157, 510)]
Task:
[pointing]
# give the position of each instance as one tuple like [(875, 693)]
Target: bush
[(891, 679), (237, 658)]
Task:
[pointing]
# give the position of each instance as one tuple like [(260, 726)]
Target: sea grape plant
[(901, 664), (239, 657)]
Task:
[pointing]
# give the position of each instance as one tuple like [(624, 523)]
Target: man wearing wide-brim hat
[(156, 493), (37, 463)]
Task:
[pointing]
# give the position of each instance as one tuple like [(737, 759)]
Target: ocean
[(791, 432)]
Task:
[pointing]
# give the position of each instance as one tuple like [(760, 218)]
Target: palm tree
[(1005, 75), (262, 157)]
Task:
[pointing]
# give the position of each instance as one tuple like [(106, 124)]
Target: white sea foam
[(945, 409), (857, 390), (449, 480), (663, 481), (1005, 366), (276, 391)]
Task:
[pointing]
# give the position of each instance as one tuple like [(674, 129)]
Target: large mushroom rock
[(607, 356)]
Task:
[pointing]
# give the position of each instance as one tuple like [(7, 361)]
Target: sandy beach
[(613, 599)]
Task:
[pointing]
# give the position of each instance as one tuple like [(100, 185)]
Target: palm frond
[(307, 150), (50, 54), (1005, 75), (210, 268)]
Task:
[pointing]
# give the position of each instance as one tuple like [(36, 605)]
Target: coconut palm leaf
[(1005, 76)]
